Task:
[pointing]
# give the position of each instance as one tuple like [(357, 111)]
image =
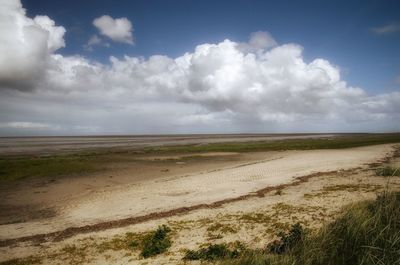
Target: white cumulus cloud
[(118, 29), (256, 86), (55, 38), (25, 45)]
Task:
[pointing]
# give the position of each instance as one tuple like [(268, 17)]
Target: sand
[(231, 177), (253, 221), (166, 193)]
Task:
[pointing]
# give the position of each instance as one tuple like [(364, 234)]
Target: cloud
[(25, 45), (259, 40), (119, 29), (386, 29), (256, 86), (25, 125), (95, 40), (55, 38)]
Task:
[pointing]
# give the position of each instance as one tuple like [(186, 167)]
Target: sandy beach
[(167, 188)]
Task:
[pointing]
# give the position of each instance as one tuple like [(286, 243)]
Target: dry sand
[(311, 202)]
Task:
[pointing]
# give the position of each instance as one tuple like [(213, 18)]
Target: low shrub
[(155, 242)]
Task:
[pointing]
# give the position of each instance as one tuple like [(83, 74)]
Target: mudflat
[(57, 145)]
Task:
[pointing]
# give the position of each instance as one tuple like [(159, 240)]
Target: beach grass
[(387, 171), (366, 233)]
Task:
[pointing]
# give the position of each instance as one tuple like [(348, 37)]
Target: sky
[(152, 67)]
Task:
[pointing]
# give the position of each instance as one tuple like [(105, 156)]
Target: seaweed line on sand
[(72, 231)]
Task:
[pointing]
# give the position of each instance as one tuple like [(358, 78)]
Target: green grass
[(17, 168), (287, 241), (215, 252), (127, 242), (155, 242), (387, 171), (222, 228), (366, 234), (289, 144)]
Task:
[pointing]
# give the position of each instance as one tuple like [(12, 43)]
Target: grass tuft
[(287, 241), (387, 171), (155, 242)]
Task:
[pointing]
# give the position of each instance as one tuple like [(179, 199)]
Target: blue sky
[(151, 67), (339, 31)]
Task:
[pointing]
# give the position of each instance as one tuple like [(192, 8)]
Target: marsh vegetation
[(19, 167)]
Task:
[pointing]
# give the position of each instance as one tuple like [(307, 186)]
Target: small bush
[(288, 240), (155, 242)]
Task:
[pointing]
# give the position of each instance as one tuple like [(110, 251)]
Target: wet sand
[(57, 145)]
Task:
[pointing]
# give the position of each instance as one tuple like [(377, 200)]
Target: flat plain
[(83, 200)]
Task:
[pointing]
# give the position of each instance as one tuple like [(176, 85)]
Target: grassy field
[(16, 168), (19, 168)]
